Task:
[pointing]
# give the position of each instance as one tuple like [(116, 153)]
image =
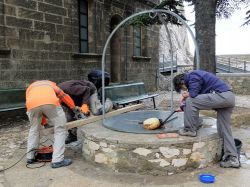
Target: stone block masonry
[(146, 154), (40, 40), (239, 82)]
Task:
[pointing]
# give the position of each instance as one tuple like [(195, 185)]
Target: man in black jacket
[(84, 94)]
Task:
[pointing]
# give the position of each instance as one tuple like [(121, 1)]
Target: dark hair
[(95, 76), (178, 81)]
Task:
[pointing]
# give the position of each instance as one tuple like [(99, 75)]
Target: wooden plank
[(92, 119)]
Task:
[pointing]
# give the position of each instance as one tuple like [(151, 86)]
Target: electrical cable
[(16, 162), (27, 165)]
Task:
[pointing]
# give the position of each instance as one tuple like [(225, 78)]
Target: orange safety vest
[(46, 92)]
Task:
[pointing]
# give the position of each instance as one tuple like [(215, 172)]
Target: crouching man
[(84, 94), (202, 91), (43, 100)]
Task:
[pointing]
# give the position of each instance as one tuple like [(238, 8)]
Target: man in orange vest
[(43, 99)]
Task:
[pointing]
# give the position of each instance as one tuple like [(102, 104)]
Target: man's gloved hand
[(76, 109), (85, 109), (78, 113)]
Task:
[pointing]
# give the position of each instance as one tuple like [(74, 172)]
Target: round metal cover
[(129, 122)]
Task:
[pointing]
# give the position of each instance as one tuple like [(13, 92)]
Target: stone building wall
[(39, 39)]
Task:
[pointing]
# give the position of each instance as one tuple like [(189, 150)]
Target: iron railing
[(232, 65), (165, 64), (223, 65)]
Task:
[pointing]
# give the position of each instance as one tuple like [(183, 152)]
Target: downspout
[(95, 24), (126, 45), (4, 26)]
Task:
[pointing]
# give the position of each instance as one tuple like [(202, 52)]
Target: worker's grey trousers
[(56, 117), (223, 103), (96, 105)]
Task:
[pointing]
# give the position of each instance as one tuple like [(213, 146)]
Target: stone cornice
[(86, 55)]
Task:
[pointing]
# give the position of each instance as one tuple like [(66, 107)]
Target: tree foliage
[(225, 8), (206, 12), (247, 18), (152, 18)]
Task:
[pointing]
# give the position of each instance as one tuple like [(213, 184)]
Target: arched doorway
[(116, 62)]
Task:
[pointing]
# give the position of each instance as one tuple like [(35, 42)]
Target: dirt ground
[(13, 139), (81, 173)]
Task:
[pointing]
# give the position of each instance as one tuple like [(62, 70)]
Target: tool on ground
[(154, 123), (167, 135), (170, 115), (44, 154)]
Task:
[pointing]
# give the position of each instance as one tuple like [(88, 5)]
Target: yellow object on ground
[(151, 123)]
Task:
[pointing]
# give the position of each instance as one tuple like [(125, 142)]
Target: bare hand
[(178, 109), (185, 94)]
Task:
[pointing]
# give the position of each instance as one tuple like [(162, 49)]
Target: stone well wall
[(146, 154)]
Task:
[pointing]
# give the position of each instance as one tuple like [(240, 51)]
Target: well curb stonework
[(154, 157)]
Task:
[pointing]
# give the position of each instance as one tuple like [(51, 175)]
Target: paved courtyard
[(13, 137)]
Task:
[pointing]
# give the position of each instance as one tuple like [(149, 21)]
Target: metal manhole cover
[(129, 122)]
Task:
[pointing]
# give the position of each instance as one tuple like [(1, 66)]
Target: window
[(83, 25), (137, 41)]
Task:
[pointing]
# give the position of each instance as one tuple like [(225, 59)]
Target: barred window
[(83, 25), (137, 41)]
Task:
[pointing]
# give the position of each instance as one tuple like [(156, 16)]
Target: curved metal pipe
[(172, 59), (124, 21)]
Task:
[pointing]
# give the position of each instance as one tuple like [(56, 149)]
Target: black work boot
[(31, 161), (230, 162), (70, 138)]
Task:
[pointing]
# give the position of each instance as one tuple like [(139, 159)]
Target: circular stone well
[(146, 153)]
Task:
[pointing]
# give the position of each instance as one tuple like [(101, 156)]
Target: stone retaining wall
[(240, 82)]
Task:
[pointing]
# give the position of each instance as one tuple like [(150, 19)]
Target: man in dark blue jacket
[(202, 90)]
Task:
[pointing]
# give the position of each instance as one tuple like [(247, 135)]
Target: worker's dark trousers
[(223, 103)]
